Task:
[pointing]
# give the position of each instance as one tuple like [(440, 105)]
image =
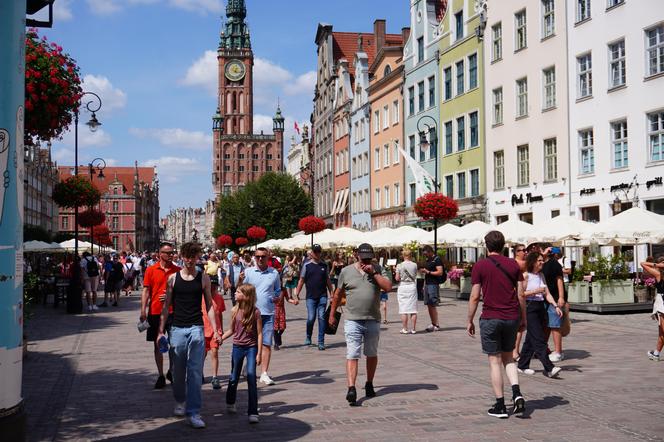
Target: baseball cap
[(365, 251), (316, 248)]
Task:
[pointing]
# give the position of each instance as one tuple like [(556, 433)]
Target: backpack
[(91, 267)]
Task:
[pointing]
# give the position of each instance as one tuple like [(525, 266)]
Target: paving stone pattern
[(90, 377)]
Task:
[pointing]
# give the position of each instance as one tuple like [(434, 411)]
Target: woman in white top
[(407, 292), (654, 270), (537, 294)]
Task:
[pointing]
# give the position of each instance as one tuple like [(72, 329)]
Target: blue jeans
[(316, 309), (188, 349), (237, 357)]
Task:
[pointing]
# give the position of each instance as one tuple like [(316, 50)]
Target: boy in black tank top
[(185, 290)]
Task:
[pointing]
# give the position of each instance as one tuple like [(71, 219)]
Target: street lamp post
[(424, 126), (98, 164), (93, 105)]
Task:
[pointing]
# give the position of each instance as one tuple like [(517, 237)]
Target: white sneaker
[(526, 371), (412, 332), (94, 307), (652, 356), (404, 331), (89, 308), (266, 379), (179, 408), (553, 373), (432, 328), (231, 408), (555, 357), (253, 418), (195, 421)]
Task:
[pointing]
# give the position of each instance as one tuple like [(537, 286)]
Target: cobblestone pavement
[(90, 377)]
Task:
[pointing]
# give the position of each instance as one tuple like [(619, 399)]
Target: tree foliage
[(35, 233), (278, 204)]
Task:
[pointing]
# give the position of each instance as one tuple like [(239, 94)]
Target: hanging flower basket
[(311, 224), (256, 232), (101, 235), (75, 191), (241, 241), (52, 88), (436, 206), (224, 241), (91, 218)]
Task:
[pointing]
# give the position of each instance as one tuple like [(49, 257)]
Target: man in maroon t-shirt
[(503, 314)]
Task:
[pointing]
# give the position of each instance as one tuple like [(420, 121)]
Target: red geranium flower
[(91, 218), (311, 224), (436, 206), (256, 232), (224, 240), (241, 241)]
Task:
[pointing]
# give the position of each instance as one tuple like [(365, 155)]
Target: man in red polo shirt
[(154, 294)]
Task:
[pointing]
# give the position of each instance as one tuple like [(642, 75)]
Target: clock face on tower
[(235, 70)]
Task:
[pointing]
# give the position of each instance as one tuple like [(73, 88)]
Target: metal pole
[(76, 174), (92, 241), (435, 184)]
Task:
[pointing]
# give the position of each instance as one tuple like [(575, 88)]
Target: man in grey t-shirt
[(361, 283)]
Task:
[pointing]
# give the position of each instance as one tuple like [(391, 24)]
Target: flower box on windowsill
[(619, 291), (578, 292)]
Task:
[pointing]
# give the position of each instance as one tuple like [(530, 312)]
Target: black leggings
[(535, 343)]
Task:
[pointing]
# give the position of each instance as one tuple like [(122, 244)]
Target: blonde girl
[(654, 270)]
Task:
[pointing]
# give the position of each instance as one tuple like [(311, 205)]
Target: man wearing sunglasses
[(154, 295)]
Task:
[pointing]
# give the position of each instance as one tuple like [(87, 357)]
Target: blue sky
[(153, 62)]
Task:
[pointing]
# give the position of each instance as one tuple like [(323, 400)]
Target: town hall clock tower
[(239, 155)]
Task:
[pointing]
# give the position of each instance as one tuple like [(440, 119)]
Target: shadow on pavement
[(40, 326), (393, 389), (576, 354), (545, 403), (305, 377)]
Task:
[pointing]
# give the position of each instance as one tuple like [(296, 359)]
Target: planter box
[(465, 286), (641, 294), (613, 292), (447, 285), (578, 292)]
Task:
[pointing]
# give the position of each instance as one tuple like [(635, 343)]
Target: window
[(420, 96), (411, 100), (377, 158), (555, 213), (386, 155), (254, 156), (656, 135), (115, 223), (227, 168), (520, 36), (241, 156), (354, 171), (376, 126), (613, 3), (115, 206), (269, 156), (522, 97), (377, 198), (526, 217), (367, 205), (501, 219), (241, 168), (115, 242), (584, 65), (582, 10), (548, 18), (386, 197), (449, 186), (254, 168), (420, 49), (655, 50), (386, 117), (523, 165), (461, 133), (227, 156), (413, 194), (619, 142), (458, 24), (395, 112), (459, 78), (497, 42), (396, 155), (499, 168), (474, 130), (411, 144), (366, 163), (550, 160), (337, 164), (397, 195), (590, 214), (549, 79), (461, 184), (433, 143), (387, 71), (587, 146), (617, 64), (447, 75), (432, 91), (498, 106), (448, 138), (65, 223), (474, 182), (472, 71)]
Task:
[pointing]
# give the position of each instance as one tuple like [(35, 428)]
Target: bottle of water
[(163, 344)]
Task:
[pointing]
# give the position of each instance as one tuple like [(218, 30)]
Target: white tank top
[(535, 281)]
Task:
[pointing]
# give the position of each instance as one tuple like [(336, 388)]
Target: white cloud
[(104, 7), (201, 6), (262, 123), (63, 156), (266, 72), (112, 97), (176, 137), (304, 84), (173, 169), (203, 73), (62, 10)]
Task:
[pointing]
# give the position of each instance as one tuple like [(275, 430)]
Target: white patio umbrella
[(472, 234), (379, 237), (560, 229), (633, 226), (516, 231), (83, 246)]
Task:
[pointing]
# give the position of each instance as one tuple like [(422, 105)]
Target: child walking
[(246, 329)]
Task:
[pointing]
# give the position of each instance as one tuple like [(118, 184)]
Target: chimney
[(405, 35), (379, 34)]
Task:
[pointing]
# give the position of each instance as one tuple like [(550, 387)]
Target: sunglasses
[(167, 253), (520, 250), (260, 256)]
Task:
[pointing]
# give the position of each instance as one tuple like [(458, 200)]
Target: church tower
[(240, 156)]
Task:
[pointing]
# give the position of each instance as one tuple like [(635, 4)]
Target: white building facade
[(526, 108), (616, 96)]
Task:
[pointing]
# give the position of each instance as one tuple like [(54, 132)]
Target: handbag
[(329, 329), (566, 325)]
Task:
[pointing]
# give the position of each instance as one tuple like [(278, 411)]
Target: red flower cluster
[(241, 241), (311, 224), (436, 206), (91, 218), (101, 235), (75, 191), (224, 240), (256, 232), (52, 88)]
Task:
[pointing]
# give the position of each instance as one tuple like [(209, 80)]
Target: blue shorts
[(268, 329), (383, 296), (554, 320), (358, 332), (431, 294)]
